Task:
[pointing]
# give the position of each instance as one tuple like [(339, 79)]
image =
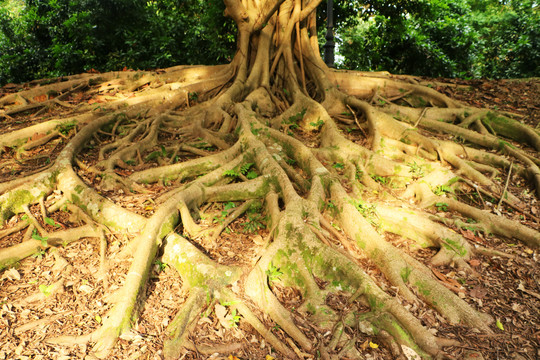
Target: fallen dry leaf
[(448, 282), (474, 262), (40, 98), (36, 136), (478, 292)]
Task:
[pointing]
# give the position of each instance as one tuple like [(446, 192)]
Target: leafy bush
[(465, 38), (41, 38)]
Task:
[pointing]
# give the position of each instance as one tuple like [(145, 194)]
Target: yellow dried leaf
[(373, 345), (268, 357)]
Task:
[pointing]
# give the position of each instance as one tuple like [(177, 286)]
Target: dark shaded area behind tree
[(58, 37), (463, 38)]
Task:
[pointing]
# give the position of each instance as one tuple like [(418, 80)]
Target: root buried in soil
[(272, 206)]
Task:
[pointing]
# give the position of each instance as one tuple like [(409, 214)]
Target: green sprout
[(45, 290), (273, 273), (221, 218), (36, 236), (443, 189), (441, 206), (255, 222), (65, 128), (415, 169)]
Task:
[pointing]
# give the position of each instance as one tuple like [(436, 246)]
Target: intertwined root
[(331, 163), (338, 198)]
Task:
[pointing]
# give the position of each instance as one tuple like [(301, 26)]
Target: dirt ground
[(508, 288)]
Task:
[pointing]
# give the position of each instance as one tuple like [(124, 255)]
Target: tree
[(334, 160), (445, 38), (49, 38)]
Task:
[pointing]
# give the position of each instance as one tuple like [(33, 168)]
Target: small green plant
[(235, 318), (443, 189), (335, 226), (130, 162), (220, 218), (193, 96), (290, 161), (406, 140), (247, 171), (157, 154), (254, 223), (293, 120), (161, 265), (45, 290), (65, 128), (273, 273), (415, 169), (39, 253), (51, 222), (254, 131), (36, 236), (338, 166), (244, 170), (232, 173), (317, 124), (251, 175), (330, 206), (473, 229), (368, 211), (441, 206), (380, 179)]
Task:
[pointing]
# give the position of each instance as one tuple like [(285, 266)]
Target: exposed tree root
[(275, 127)]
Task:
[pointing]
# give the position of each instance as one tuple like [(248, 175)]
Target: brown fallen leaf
[(474, 262), (36, 136), (478, 292), (41, 98), (448, 282)]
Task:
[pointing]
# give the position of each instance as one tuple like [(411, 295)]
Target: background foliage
[(42, 38), (460, 38), (465, 38)]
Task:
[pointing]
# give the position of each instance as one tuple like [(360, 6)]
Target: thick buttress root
[(330, 164)]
